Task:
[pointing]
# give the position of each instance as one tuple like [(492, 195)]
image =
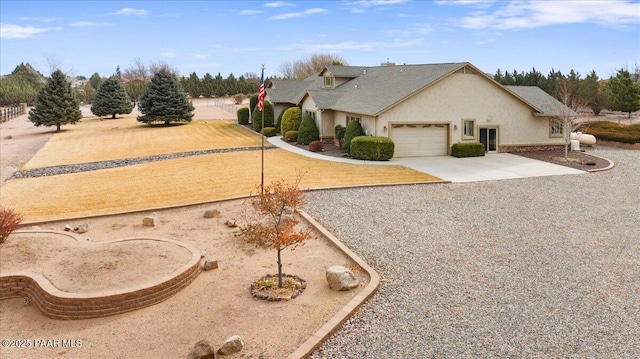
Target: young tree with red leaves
[(277, 203)]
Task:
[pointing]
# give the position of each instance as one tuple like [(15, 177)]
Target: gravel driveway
[(544, 267)]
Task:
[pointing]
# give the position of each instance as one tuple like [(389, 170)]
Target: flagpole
[(260, 99)]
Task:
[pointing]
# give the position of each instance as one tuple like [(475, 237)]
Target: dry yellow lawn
[(173, 182), (100, 140), (185, 181)]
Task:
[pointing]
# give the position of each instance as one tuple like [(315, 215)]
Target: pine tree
[(623, 93), (56, 104), (111, 99), (165, 101), (308, 131)]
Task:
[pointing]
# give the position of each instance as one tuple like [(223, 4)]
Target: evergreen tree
[(593, 92), (56, 104), (111, 99), (354, 129), (165, 101), (95, 80), (623, 93), (257, 116), (308, 131)]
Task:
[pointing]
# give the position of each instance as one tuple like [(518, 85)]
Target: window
[(468, 128), (310, 113), (328, 81), (556, 128), (352, 118)]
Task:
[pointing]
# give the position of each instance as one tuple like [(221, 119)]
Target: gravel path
[(544, 267), (101, 165)]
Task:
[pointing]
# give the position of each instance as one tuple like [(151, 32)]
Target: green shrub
[(467, 149), (308, 131), (291, 136), (269, 131), (354, 129), (253, 101), (243, 116), (372, 148), (291, 119), (339, 132), (610, 131), (278, 123), (257, 116), (316, 146)]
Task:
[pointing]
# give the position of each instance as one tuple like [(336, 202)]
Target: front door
[(489, 138)]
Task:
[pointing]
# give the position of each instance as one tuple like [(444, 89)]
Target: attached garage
[(417, 140)]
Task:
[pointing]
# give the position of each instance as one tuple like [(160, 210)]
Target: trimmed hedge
[(291, 136), (291, 119), (372, 148), (316, 146), (354, 129), (610, 131), (269, 131), (243, 116), (467, 149), (339, 132), (257, 116), (308, 131)]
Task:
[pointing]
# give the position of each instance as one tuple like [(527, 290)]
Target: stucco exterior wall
[(471, 96)]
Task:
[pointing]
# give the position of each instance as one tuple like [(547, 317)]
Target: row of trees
[(620, 93), (163, 101)]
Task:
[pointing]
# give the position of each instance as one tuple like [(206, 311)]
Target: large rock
[(341, 278), (211, 213), (232, 345), (150, 221), (210, 264), (202, 350)]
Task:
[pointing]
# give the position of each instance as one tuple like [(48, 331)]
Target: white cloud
[(292, 15), (250, 12), (358, 7), (10, 31), (91, 24), (533, 14), (278, 4), (127, 11), (39, 19)]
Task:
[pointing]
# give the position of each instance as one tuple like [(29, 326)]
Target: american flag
[(261, 93)]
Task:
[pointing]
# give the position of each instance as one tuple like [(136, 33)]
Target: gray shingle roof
[(372, 90), (545, 104)]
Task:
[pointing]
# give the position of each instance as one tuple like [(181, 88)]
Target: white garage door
[(414, 140)]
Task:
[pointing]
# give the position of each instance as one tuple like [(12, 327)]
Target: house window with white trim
[(468, 128), (312, 114), (328, 81), (353, 118), (556, 128)]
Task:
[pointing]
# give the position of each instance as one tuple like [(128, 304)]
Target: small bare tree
[(277, 204), (568, 93), (304, 68)]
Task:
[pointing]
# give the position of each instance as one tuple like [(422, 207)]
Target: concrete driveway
[(490, 167)]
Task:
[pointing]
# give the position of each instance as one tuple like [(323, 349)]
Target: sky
[(238, 37)]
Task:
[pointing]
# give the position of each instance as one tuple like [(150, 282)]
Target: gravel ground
[(544, 267)]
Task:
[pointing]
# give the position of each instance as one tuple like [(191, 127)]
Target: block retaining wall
[(56, 304)]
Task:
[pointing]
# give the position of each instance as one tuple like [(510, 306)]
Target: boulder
[(341, 278), (232, 345), (210, 264), (211, 213), (83, 228), (150, 221), (231, 223), (202, 350)]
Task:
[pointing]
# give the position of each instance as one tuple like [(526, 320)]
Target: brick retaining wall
[(56, 304)]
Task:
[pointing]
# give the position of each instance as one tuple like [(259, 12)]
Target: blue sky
[(83, 37)]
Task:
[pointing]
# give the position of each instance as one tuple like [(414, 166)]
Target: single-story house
[(425, 109)]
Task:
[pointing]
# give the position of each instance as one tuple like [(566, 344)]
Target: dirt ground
[(214, 307)]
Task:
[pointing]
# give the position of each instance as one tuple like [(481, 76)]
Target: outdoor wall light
[(384, 128), (455, 127)]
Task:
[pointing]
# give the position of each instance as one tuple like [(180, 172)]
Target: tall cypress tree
[(56, 104), (165, 101), (111, 99)]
